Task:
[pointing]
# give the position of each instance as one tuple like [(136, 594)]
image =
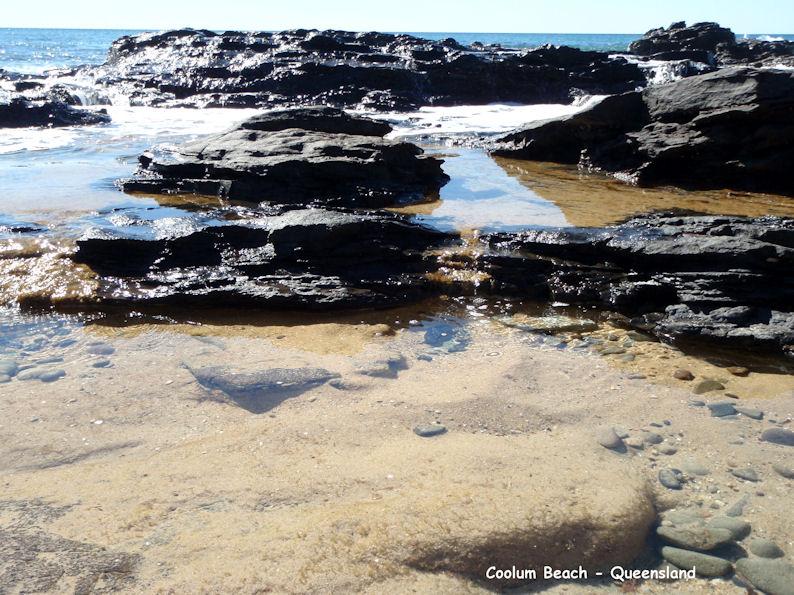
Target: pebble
[(694, 468), (765, 548), (629, 357), (682, 374), (100, 349), (636, 442), (778, 436), (608, 438), (671, 478), (694, 537), (738, 370), (783, 470), (746, 473), (704, 565), (750, 412), (430, 430), (775, 577), (739, 528), (721, 409), (668, 450), (636, 376), (613, 350), (737, 508), (101, 363), (8, 367), (707, 386), (639, 337), (42, 375), (652, 438), (731, 396), (697, 403)]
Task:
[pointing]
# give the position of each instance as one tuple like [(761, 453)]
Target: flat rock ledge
[(301, 156), (681, 277), (726, 129)]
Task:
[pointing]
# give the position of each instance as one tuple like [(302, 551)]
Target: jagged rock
[(345, 69), (309, 258), (725, 129), (300, 156), (678, 37), (21, 113), (717, 279)]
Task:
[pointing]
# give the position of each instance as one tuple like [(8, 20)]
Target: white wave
[(17, 140), (770, 38)]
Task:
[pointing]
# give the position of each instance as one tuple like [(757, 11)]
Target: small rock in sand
[(101, 363), (608, 438), (738, 370), (746, 473), (652, 438), (775, 577), (784, 470), (694, 468), (778, 436), (671, 478), (613, 350), (428, 431), (765, 548), (668, 450), (707, 386), (682, 374), (721, 409), (739, 528), (737, 508), (41, 375), (750, 412), (694, 537)]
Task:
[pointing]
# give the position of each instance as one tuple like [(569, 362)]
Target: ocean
[(33, 51)]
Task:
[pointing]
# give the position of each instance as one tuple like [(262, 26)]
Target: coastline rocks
[(725, 129), (678, 38), (306, 258), (21, 113), (722, 280), (201, 68), (302, 156)]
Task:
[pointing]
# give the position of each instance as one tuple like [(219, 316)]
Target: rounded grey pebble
[(101, 363), (775, 577), (778, 436), (100, 349), (429, 431), (746, 473), (721, 409), (739, 528), (765, 548), (704, 565), (608, 438), (751, 412), (671, 479), (653, 438), (783, 470)]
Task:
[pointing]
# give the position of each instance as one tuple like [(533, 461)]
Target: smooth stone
[(704, 565), (750, 412), (707, 386), (671, 479), (429, 431), (635, 442), (778, 436), (640, 337), (551, 324), (42, 375), (630, 357), (652, 438), (608, 438), (783, 470), (774, 577), (668, 450), (697, 403), (8, 367), (745, 473), (731, 396), (100, 349), (613, 350), (739, 528), (737, 508), (682, 374), (721, 409), (765, 548), (685, 516), (695, 537), (738, 370), (694, 468), (101, 363)]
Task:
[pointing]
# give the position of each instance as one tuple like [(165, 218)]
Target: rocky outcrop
[(318, 156), (726, 129), (21, 113), (301, 259), (375, 70), (717, 279)]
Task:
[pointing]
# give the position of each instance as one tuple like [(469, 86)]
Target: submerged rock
[(704, 564), (200, 68), (21, 113), (775, 577), (303, 156), (696, 537), (260, 391), (307, 258), (725, 129), (717, 279)]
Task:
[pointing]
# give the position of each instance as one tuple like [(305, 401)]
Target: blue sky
[(498, 16)]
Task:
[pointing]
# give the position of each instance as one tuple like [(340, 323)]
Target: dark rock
[(308, 258), (707, 386), (672, 479), (725, 129), (332, 159), (721, 409), (429, 431), (722, 280), (21, 113), (780, 436), (345, 69), (259, 392), (680, 38)]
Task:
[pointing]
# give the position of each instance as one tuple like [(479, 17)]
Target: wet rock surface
[(202, 68), (306, 258), (307, 155), (714, 279), (725, 129), (21, 113)]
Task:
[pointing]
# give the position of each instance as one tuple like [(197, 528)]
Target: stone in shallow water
[(746, 473), (778, 436), (695, 537), (4, 378), (784, 470), (8, 367), (704, 564), (429, 431), (608, 438), (751, 412), (42, 375), (738, 370), (260, 391), (671, 479), (652, 438), (739, 528), (448, 337), (707, 386), (682, 374), (775, 577), (100, 349), (549, 324), (101, 363), (737, 508), (765, 548), (694, 468), (721, 409)]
